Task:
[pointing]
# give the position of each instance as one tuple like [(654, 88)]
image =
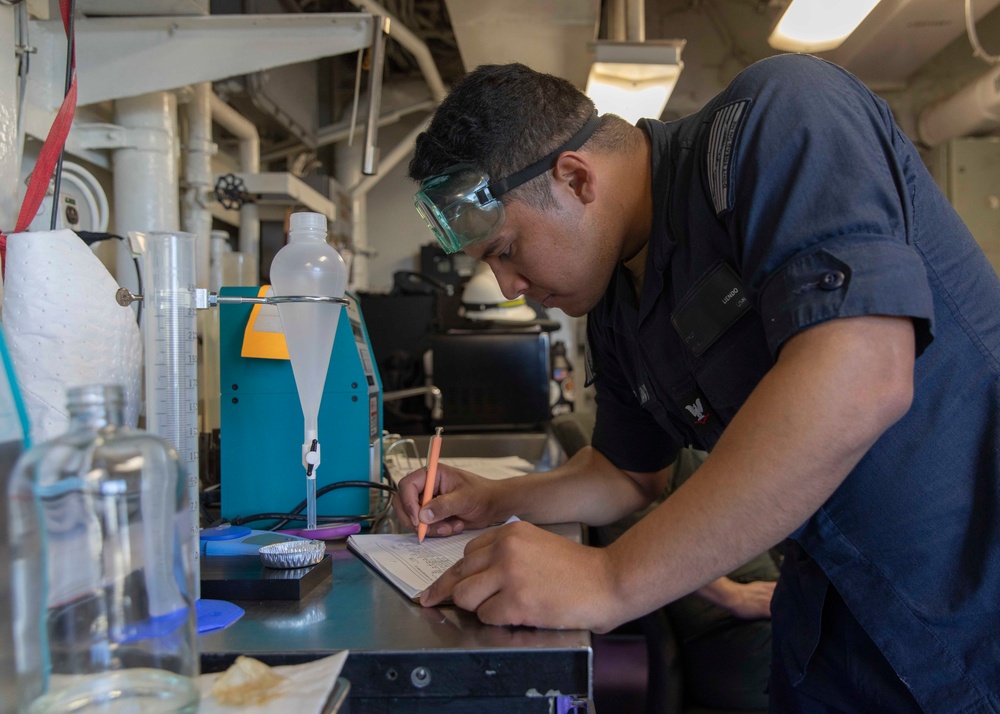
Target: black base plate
[(245, 577)]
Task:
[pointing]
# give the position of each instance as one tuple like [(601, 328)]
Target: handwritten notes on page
[(407, 564)]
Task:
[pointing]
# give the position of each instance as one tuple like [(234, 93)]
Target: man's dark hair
[(501, 118)]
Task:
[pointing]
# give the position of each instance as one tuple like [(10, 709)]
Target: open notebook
[(413, 566), (409, 565)]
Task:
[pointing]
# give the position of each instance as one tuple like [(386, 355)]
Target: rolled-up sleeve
[(821, 215), (847, 279)]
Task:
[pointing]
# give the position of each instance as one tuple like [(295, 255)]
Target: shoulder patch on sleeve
[(726, 125)]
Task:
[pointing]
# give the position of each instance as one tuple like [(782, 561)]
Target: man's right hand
[(462, 501)]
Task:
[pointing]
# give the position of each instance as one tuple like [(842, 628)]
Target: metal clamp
[(204, 299), (214, 299)]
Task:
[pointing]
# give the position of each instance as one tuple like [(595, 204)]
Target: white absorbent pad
[(64, 328)]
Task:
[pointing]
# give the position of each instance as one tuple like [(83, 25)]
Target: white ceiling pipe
[(358, 194), (388, 162), (196, 218), (342, 130), (635, 20), (198, 151), (10, 121), (347, 170), (411, 42), (244, 129), (348, 158), (626, 21), (974, 109), (146, 185)]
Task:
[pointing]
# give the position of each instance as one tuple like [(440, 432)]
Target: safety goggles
[(462, 206)]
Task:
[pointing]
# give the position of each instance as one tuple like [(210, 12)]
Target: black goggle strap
[(499, 188)]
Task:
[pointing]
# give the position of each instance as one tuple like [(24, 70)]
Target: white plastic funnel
[(309, 266)]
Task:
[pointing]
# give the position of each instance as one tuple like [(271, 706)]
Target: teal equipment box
[(262, 425)]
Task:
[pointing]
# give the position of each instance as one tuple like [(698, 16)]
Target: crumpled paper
[(64, 329), (307, 690)]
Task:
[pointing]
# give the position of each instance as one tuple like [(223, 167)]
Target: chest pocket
[(730, 369), (710, 308), (668, 389), (723, 357)]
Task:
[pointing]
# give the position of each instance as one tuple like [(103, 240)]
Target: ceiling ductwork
[(973, 110), (899, 36), (549, 37)]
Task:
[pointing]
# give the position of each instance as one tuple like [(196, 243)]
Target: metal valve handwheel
[(230, 191)]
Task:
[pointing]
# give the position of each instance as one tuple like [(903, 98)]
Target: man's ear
[(578, 174)]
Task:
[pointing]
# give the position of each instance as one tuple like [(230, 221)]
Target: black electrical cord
[(70, 47), (90, 238), (295, 514), (209, 497), (346, 484)]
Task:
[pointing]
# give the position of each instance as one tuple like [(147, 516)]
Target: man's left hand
[(520, 574)]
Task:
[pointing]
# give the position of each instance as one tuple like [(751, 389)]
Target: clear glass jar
[(104, 616)]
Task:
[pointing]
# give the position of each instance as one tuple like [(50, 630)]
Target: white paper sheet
[(408, 564), (412, 566), (503, 467)]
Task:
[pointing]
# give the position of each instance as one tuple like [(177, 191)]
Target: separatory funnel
[(307, 266)]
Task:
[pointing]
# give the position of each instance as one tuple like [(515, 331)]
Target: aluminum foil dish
[(293, 553)]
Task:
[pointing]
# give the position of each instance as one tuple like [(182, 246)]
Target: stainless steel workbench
[(405, 658)]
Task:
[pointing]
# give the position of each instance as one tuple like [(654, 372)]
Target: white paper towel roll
[(64, 328)]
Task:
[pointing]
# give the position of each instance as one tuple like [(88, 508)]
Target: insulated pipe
[(416, 46), (234, 122), (146, 186), (635, 20), (347, 169), (974, 109), (11, 119), (349, 160), (369, 163), (195, 216), (197, 219), (626, 21), (388, 162), (348, 172), (333, 133)]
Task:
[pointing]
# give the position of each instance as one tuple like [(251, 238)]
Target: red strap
[(48, 157)]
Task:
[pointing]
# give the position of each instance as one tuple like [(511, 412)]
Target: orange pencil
[(432, 467)]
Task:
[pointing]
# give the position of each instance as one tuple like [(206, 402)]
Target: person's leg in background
[(725, 661)]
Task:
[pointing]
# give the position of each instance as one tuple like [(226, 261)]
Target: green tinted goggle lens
[(458, 208), (462, 206)]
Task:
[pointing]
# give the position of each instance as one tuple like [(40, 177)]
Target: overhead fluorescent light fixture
[(634, 79), (818, 25)]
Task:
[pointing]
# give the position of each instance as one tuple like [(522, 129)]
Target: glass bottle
[(104, 617), (13, 441)]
